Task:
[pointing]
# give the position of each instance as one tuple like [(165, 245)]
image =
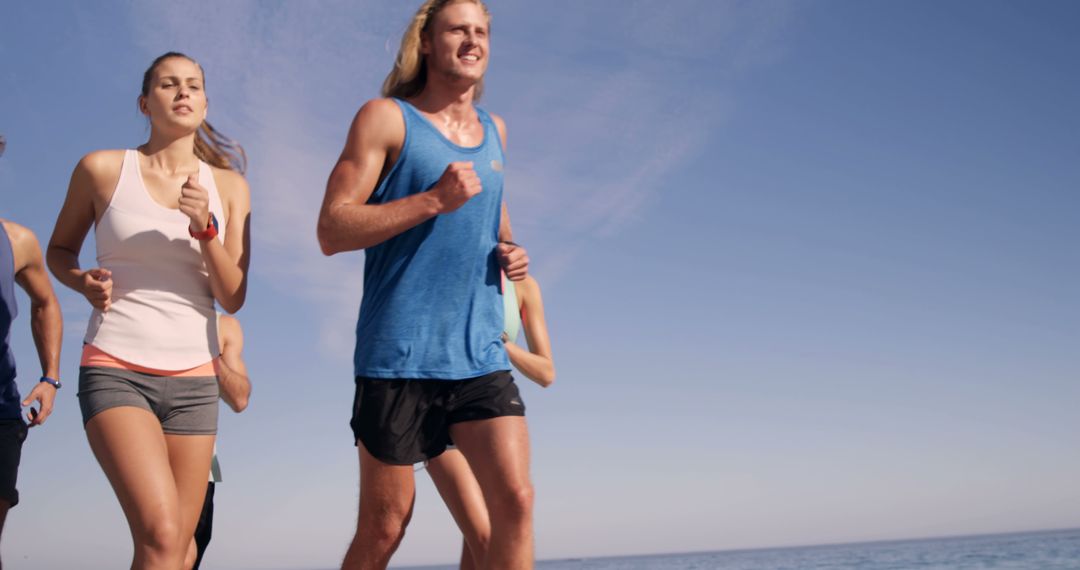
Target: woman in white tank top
[(170, 222)]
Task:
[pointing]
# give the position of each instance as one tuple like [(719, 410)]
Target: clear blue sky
[(811, 268)]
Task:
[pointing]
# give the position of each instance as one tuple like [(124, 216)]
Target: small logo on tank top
[(496, 165)]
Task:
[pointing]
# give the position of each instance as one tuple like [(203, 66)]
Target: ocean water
[(1051, 550)]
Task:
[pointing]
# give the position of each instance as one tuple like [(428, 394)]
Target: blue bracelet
[(54, 382)]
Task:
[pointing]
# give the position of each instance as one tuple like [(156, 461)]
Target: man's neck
[(453, 102)]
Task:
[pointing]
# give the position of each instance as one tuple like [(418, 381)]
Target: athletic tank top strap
[(491, 131), (9, 392)]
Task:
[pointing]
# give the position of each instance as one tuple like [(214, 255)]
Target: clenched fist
[(513, 259), (456, 186), (195, 203), (97, 287)]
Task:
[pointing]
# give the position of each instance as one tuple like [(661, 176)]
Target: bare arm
[(231, 370), (95, 173), (227, 263), (512, 257), (347, 222), (46, 323), (536, 363), (506, 233)]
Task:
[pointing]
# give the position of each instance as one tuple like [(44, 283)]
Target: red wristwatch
[(209, 233)]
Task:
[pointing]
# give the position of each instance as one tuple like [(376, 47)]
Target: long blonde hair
[(409, 75), (211, 146)]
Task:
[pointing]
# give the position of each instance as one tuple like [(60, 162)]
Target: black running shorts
[(406, 421), (12, 436)]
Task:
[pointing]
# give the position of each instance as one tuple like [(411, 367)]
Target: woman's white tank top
[(162, 314)]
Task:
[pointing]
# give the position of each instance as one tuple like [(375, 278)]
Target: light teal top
[(511, 312)]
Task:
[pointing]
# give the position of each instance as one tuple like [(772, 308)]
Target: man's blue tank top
[(431, 306), (9, 393)]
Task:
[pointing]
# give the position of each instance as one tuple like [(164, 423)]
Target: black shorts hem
[(485, 415), (406, 421), (389, 458)]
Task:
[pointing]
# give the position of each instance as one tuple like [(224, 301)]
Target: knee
[(516, 501), (382, 536), (483, 538), (386, 536), (161, 536), (385, 525), (483, 541)]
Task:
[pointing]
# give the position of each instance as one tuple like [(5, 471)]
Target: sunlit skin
[(159, 478)]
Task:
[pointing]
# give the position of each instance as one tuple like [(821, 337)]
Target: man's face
[(456, 46)]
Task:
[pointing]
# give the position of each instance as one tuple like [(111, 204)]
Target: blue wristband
[(54, 382)]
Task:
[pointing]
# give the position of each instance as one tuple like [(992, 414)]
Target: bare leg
[(204, 530), (469, 561), (189, 457), (130, 446), (461, 493), (387, 494), (498, 453), (190, 556)]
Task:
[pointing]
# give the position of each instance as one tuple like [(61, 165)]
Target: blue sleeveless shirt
[(431, 306), (10, 406)]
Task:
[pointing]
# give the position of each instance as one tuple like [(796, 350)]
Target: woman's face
[(175, 98)]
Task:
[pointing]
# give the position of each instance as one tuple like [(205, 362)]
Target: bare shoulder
[(378, 123), (230, 183), (24, 244), (382, 108), (108, 160), (17, 233), (377, 131), (101, 168)]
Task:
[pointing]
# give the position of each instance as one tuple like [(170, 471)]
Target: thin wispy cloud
[(288, 79), (635, 119)]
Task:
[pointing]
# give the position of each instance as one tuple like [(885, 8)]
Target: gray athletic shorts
[(185, 405)]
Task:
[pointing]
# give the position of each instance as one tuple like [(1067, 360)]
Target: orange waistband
[(94, 356)]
